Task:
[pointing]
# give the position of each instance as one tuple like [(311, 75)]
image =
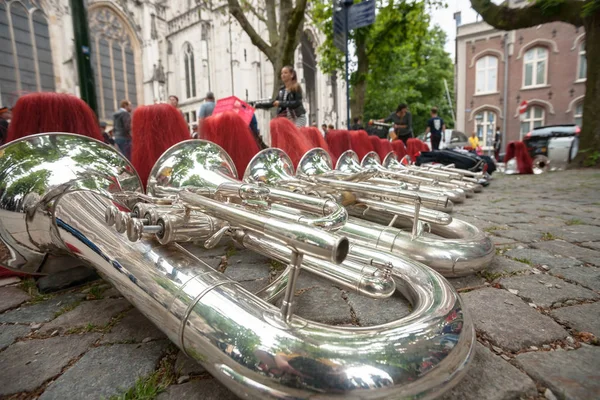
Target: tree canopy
[(399, 58)]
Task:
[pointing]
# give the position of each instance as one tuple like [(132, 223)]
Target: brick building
[(545, 66)]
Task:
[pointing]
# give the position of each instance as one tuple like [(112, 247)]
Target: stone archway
[(309, 64)]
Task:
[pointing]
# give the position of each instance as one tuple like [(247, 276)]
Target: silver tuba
[(54, 195), (459, 248)]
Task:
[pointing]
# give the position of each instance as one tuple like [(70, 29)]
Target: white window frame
[(534, 63), (483, 64), (486, 129), (578, 114), (189, 72), (531, 119), (581, 55)]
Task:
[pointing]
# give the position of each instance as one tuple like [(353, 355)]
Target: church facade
[(146, 50)]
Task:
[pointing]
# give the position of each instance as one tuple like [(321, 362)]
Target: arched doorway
[(114, 58), (309, 63)]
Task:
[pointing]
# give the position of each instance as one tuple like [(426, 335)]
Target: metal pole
[(505, 94), (449, 101), (87, 86), (346, 12)]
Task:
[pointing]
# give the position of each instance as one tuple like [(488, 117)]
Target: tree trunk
[(589, 144), (359, 87)]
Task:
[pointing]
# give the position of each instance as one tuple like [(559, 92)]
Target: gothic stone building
[(546, 66), (146, 50)]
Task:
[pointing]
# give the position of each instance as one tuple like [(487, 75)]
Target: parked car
[(452, 139), (552, 147)]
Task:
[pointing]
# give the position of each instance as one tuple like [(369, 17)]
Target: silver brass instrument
[(54, 195), (348, 162), (460, 248)]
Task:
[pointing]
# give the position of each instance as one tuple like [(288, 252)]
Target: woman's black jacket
[(293, 102)]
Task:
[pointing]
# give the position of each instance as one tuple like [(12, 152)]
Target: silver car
[(452, 139)]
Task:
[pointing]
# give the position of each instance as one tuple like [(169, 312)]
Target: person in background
[(436, 126), (474, 141), (497, 144), (324, 129), (207, 108), (289, 98), (174, 101), (402, 120), (122, 128), (357, 125), (330, 127), (107, 139), (5, 116)]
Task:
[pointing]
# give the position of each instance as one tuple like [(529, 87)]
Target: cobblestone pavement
[(536, 310)]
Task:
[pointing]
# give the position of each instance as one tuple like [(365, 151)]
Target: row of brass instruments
[(369, 226)]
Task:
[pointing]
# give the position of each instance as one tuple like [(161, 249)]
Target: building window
[(30, 67), (534, 117), (535, 67), (485, 126), (487, 73), (578, 114), (190, 72), (113, 60), (582, 70)]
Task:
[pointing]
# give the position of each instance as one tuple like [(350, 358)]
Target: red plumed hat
[(287, 137), (229, 131), (154, 129), (316, 139), (399, 148), (361, 143), (44, 112), (519, 151), (339, 141)]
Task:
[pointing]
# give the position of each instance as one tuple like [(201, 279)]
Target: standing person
[(357, 125), (436, 126), (207, 108), (289, 98), (324, 129), (174, 101), (497, 143), (122, 128), (5, 115), (402, 120), (105, 135)]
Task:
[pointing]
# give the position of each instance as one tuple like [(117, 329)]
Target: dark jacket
[(293, 102), (122, 124)]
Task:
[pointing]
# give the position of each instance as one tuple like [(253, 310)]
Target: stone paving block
[(541, 257), (489, 377), (26, 365), (505, 265), (134, 327), (571, 375), (517, 235), (8, 334), (502, 241), (591, 245), (66, 279), (246, 256), (256, 285), (582, 317), (205, 389), (106, 371), (546, 290), (40, 312), (508, 321), (470, 281), (570, 250), (579, 233), (111, 293), (11, 297), (585, 276), (247, 271), (375, 312), (94, 312), (323, 304), (186, 366)]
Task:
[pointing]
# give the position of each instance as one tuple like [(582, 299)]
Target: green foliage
[(574, 221), (403, 60)]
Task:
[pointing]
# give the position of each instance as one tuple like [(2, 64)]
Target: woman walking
[(289, 98)]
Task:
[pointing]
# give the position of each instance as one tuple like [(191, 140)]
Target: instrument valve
[(384, 267)]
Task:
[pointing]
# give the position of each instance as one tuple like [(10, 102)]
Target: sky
[(444, 17)]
